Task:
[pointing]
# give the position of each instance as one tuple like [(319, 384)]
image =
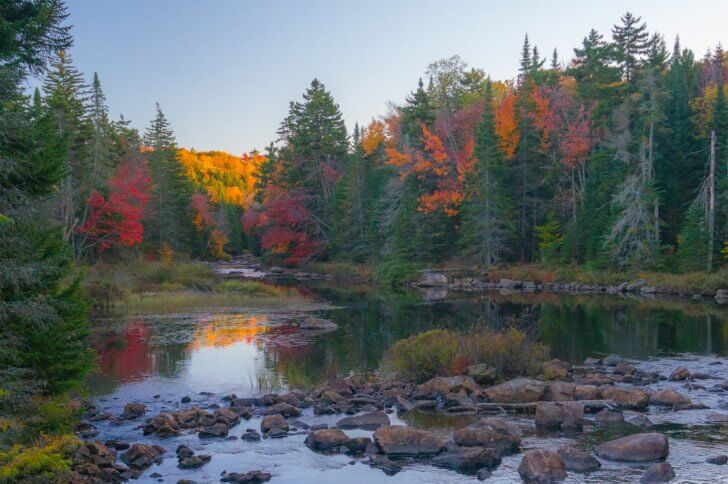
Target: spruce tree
[(631, 41)]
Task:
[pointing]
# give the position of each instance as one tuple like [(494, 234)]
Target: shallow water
[(158, 359)]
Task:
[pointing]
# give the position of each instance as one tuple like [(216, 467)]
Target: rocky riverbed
[(609, 419)]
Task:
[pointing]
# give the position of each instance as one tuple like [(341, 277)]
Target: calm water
[(158, 359)]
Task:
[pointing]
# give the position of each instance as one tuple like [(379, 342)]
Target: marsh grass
[(171, 302)]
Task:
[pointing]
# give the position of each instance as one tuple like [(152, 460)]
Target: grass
[(171, 302), (341, 269)]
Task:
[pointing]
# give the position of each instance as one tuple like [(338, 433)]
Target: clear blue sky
[(224, 71)]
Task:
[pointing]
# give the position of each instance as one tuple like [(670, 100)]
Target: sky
[(225, 71)]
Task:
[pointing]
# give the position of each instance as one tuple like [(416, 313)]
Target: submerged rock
[(407, 442), (635, 448), (542, 465), (317, 324), (718, 460), (578, 461), (384, 463)]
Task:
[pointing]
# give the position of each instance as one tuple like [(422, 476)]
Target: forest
[(613, 157)]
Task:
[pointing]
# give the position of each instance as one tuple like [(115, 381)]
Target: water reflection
[(242, 351)]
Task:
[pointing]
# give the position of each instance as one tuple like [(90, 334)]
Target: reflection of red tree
[(127, 356)]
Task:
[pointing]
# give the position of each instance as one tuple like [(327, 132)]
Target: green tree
[(631, 41)]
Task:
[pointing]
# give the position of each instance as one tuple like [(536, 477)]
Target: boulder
[(163, 425), (271, 422), (669, 398), (317, 324), (227, 416), (402, 404), (193, 418), (679, 373), (251, 477), (490, 433), (587, 392), (623, 368), (555, 369), (133, 411), (659, 472), (631, 398), (718, 460), (382, 462), (366, 421), (467, 459), (432, 279), (482, 373), (560, 391), (141, 456), (407, 442), (283, 409), (609, 417), (194, 461), (326, 439), (218, 429), (442, 385), (357, 445), (635, 448), (542, 465), (639, 419), (519, 390), (578, 461), (565, 415)]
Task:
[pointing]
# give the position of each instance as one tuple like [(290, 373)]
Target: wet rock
[(366, 421), (590, 361), (277, 433), (327, 439), (194, 462), (283, 409), (317, 324), (565, 415), (596, 379), (193, 418), (250, 435), (186, 399), (483, 474), (442, 385), (542, 465), (357, 445), (669, 398), (226, 416), (679, 373), (218, 429), (402, 404), (407, 442), (717, 417), (133, 411), (251, 477), (639, 420), (141, 456), (560, 391), (482, 373), (635, 448), (382, 462), (163, 425), (587, 392), (183, 451), (609, 417), (117, 444), (718, 460), (467, 459), (555, 369), (701, 376), (491, 433), (86, 430), (519, 390), (578, 461), (623, 368), (611, 360), (631, 398), (660, 472), (272, 422)]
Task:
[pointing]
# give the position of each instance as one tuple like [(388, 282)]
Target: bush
[(252, 288), (397, 273), (441, 352), (41, 462)]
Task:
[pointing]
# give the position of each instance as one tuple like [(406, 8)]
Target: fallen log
[(589, 406)]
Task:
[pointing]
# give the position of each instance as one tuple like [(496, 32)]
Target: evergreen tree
[(631, 41)]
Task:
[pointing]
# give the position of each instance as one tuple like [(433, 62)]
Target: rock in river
[(669, 398), (491, 433), (284, 409), (631, 398), (468, 459), (252, 477), (407, 442), (326, 439), (578, 461), (273, 422), (442, 385), (635, 448), (542, 465), (519, 390), (660, 472), (560, 414), (141, 456), (366, 421), (317, 324), (679, 373), (133, 410)]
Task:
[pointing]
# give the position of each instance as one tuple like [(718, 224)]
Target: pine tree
[(486, 227), (631, 41)]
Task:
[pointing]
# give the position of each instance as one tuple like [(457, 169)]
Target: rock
[(194, 462), (133, 410), (117, 444), (442, 385), (679, 373), (482, 373), (271, 422), (519, 390), (252, 477), (467, 459), (402, 404), (555, 369), (560, 414), (631, 398), (407, 442), (141, 456), (717, 417), (186, 399), (669, 398), (250, 436), (560, 391), (609, 417), (366, 421), (490, 433), (590, 361), (587, 392), (432, 279), (163, 425), (611, 360), (542, 465), (227, 416), (483, 474), (382, 462), (326, 439), (578, 461), (317, 324), (218, 429), (640, 420), (283, 409), (718, 460), (635, 448), (623, 368), (660, 472), (184, 451)]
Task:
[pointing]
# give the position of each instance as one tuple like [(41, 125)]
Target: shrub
[(47, 459), (252, 288), (441, 352), (397, 272)]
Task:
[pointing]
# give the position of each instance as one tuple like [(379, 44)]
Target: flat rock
[(467, 459), (635, 448), (407, 442), (578, 461), (609, 417), (542, 465), (251, 477), (366, 421), (284, 409), (491, 433), (518, 390), (631, 398)]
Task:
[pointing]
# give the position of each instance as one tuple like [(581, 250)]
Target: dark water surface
[(248, 351)]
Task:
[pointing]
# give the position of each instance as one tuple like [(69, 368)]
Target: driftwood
[(589, 405)]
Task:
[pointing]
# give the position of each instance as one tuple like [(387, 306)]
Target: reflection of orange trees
[(131, 359), (226, 333)]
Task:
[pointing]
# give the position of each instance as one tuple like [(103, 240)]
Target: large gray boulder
[(542, 465), (635, 448)]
